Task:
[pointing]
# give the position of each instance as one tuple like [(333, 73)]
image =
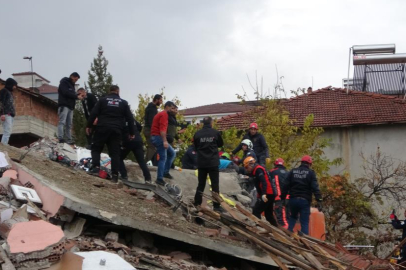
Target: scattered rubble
[(55, 216)]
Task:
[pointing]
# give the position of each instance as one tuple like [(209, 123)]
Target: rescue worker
[(150, 111), (207, 141), (260, 146), (246, 146), (265, 191), (159, 139), (226, 165), (112, 113), (67, 97), (189, 159), (136, 146), (301, 183), (279, 174), (7, 109), (172, 133), (400, 225), (88, 102)]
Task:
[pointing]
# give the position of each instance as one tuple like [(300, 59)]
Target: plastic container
[(317, 224)]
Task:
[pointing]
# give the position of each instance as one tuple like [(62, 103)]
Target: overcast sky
[(199, 50)]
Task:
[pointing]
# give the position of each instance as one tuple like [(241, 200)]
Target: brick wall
[(26, 104)]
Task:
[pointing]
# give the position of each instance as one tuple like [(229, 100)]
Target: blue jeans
[(166, 156), (299, 206), (65, 123), (7, 129)]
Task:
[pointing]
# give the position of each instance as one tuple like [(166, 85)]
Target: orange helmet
[(307, 159), (248, 161)]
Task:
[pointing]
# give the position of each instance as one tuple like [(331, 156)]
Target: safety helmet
[(248, 161), (279, 161), (247, 143), (226, 155), (307, 159), (254, 125)]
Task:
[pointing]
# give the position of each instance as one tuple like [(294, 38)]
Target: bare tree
[(384, 178)]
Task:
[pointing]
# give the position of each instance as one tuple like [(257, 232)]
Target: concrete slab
[(25, 237), (112, 261), (65, 189)]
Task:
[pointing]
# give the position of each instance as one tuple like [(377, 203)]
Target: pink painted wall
[(51, 200)]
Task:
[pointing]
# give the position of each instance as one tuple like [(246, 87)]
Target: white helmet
[(247, 143)]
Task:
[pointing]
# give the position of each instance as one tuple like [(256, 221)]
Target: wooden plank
[(278, 261), (272, 250), (398, 246)]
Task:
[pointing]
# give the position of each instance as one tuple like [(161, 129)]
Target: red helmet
[(254, 125), (279, 161), (307, 159)]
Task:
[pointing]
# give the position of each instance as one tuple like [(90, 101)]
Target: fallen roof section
[(81, 193)]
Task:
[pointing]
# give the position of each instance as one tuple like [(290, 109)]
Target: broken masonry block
[(112, 236)]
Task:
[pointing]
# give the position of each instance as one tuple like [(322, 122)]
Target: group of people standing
[(110, 122), (291, 190)]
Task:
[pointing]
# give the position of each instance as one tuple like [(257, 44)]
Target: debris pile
[(53, 215)]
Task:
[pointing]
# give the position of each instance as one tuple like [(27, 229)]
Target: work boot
[(125, 178), (148, 181), (114, 178), (94, 171), (160, 182), (167, 175), (61, 141)]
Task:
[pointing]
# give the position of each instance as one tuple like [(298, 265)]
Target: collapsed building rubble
[(142, 225)]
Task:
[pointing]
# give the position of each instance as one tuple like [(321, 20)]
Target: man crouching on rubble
[(112, 113)]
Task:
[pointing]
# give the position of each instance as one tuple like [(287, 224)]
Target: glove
[(393, 217), (319, 206), (264, 198), (268, 161)]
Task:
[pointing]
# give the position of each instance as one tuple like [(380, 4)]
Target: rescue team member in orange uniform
[(265, 191), (278, 174)]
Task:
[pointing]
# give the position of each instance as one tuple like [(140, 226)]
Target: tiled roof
[(29, 73), (334, 107), (227, 107), (47, 89)]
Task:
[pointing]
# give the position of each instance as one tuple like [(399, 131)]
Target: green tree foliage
[(99, 79), (99, 82)]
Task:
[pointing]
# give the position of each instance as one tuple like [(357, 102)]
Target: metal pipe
[(379, 59), (374, 49), (32, 75)]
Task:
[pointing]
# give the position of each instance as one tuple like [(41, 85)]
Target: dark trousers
[(137, 148), (214, 175), (112, 138), (150, 147), (282, 214), (261, 160), (299, 206), (267, 208)]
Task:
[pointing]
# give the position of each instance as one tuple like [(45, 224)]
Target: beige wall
[(348, 142)]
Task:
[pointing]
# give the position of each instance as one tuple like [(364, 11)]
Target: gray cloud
[(199, 50)]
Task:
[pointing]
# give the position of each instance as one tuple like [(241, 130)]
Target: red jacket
[(159, 124), (262, 181)]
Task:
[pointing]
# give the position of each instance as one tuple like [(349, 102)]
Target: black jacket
[(400, 225), (137, 132), (301, 182), (189, 159), (88, 104), (112, 112), (67, 94), (207, 141), (279, 174), (150, 111), (259, 143), (7, 101)]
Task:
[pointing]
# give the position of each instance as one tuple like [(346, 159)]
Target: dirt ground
[(109, 198)]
